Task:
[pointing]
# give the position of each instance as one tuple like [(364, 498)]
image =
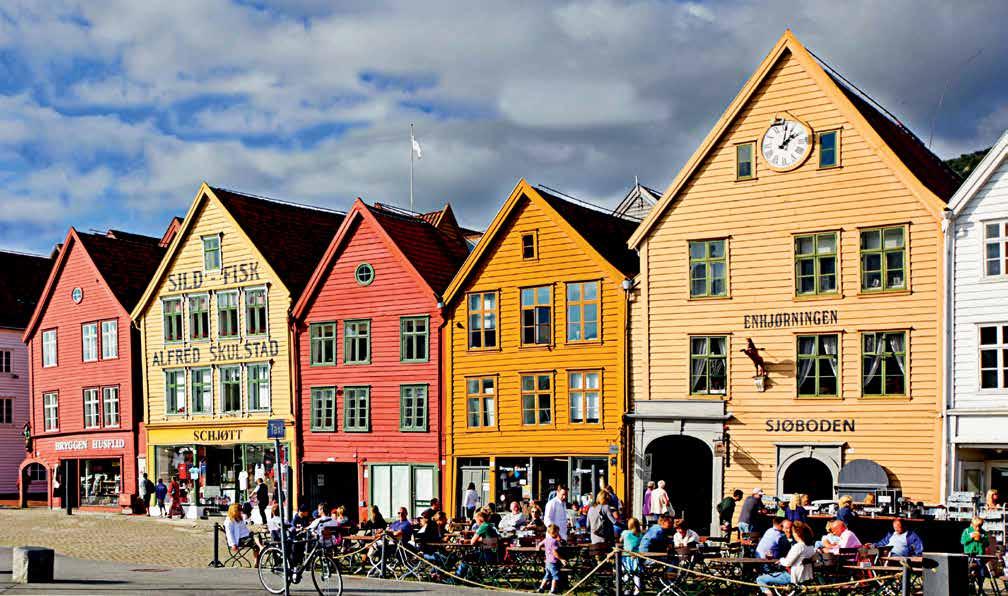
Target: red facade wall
[(72, 375), (395, 292)]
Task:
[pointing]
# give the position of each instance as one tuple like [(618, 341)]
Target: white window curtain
[(829, 347), (897, 344), (874, 345)]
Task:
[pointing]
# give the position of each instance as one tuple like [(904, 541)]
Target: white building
[(976, 330)]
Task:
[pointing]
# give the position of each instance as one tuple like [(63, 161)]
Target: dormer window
[(211, 253)]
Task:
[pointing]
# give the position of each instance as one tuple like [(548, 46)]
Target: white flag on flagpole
[(416, 147)]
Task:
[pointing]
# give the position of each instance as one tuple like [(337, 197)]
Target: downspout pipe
[(948, 338)]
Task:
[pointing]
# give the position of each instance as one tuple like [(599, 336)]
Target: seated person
[(427, 534), (273, 525), (974, 539), (797, 563), (302, 518), (839, 537), (514, 520), (904, 543), (376, 522), (435, 506), (846, 510), (536, 521), (237, 531), (682, 536), (486, 534), (774, 544), (401, 529), (658, 537)]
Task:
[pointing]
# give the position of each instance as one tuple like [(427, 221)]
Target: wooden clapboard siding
[(759, 218), (13, 386)]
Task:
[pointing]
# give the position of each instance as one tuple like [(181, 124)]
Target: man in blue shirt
[(656, 539), (904, 543), (774, 543), (401, 529)]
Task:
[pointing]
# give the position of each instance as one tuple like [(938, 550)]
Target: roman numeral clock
[(787, 143)]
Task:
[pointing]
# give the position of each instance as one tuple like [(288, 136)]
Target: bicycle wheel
[(326, 576), (271, 570)]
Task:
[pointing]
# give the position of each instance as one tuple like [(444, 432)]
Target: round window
[(364, 274)]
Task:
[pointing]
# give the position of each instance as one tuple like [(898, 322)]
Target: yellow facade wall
[(759, 218)]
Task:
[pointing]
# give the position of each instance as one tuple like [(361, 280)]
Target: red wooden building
[(85, 369), (368, 336)]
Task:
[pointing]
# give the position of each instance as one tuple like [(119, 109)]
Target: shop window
[(211, 253), (356, 404), (583, 311), (481, 406), (227, 314), (323, 343), (829, 149), (256, 314), (50, 411), (357, 342), (536, 315), (5, 361), (413, 408), (745, 161), (230, 389), (199, 316), (817, 365), (201, 381), (584, 394), (883, 363), (883, 259), (323, 409), (100, 482), (92, 415), (6, 411), (258, 387), (110, 339), (110, 406), (708, 365), (171, 309), (413, 338), (89, 342), (530, 249), (482, 311), (708, 268), (816, 264), (995, 248), (537, 399), (175, 393), (49, 348), (994, 357)]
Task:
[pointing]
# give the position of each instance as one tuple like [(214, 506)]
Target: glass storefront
[(100, 482), (218, 475)]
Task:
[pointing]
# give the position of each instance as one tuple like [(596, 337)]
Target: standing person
[(175, 492), (660, 503), (145, 493), (262, 498), (470, 500), (160, 492), (726, 510), (551, 546), (751, 507), (601, 524), (631, 539), (797, 563), (556, 511), (614, 501), (646, 505)]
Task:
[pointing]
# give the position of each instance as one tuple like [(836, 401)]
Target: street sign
[(275, 429)]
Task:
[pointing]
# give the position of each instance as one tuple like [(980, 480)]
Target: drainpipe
[(627, 433), (948, 229)]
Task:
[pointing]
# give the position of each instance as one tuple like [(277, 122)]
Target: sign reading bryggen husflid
[(216, 355)]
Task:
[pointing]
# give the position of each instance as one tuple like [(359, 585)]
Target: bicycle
[(315, 557)]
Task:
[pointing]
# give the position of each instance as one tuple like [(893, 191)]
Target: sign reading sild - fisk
[(228, 274)]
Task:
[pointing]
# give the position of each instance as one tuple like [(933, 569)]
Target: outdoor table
[(528, 560)]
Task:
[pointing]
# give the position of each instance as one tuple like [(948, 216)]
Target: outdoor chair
[(243, 557)]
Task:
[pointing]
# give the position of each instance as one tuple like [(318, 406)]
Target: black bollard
[(905, 580), (216, 547), (384, 547)]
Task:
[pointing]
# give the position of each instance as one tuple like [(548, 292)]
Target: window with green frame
[(413, 337), (413, 408), (357, 342), (211, 253), (323, 409), (829, 150), (199, 316), (708, 365), (708, 268), (171, 309), (323, 343), (883, 363), (817, 365), (356, 405), (883, 259), (745, 161), (816, 264), (256, 316), (230, 389)]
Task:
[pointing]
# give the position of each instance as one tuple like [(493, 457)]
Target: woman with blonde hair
[(846, 513), (237, 531), (795, 511), (993, 500)]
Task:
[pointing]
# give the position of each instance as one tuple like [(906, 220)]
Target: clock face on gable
[(786, 144)]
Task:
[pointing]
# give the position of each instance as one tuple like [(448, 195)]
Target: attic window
[(745, 163), (529, 246), (211, 253), (829, 149), (364, 274)]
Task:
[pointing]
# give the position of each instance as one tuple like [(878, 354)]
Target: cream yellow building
[(215, 344), (809, 222)]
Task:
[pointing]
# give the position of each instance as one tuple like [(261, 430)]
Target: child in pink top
[(550, 545)]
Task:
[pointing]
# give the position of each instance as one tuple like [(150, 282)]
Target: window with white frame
[(175, 393), (357, 342), (49, 347), (110, 405), (5, 361), (256, 318), (585, 389), (50, 411), (994, 356), (258, 387), (92, 415), (995, 248), (89, 342), (230, 389), (323, 409), (110, 339), (357, 407), (201, 390), (199, 316), (227, 314)]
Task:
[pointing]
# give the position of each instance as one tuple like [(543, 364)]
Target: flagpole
[(411, 166)]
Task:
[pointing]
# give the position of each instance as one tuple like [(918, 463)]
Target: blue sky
[(113, 112)]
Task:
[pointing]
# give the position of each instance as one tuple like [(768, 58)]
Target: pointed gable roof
[(923, 173), (601, 236), (980, 174), (22, 277)]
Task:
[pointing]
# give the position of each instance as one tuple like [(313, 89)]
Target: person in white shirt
[(683, 537), (237, 531), (660, 503), (471, 500), (515, 520), (797, 562), (556, 511)]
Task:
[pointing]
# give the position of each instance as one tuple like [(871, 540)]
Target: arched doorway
[(33, 482), (809, 476), (686, 464)]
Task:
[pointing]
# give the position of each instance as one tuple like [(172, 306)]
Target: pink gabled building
[(21, 279)]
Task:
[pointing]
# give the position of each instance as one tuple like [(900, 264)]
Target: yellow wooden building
[(810, 222), (215, 344), (535, 327)]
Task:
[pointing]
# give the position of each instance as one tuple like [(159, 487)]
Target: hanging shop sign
[(810, 425), (791, 319)]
